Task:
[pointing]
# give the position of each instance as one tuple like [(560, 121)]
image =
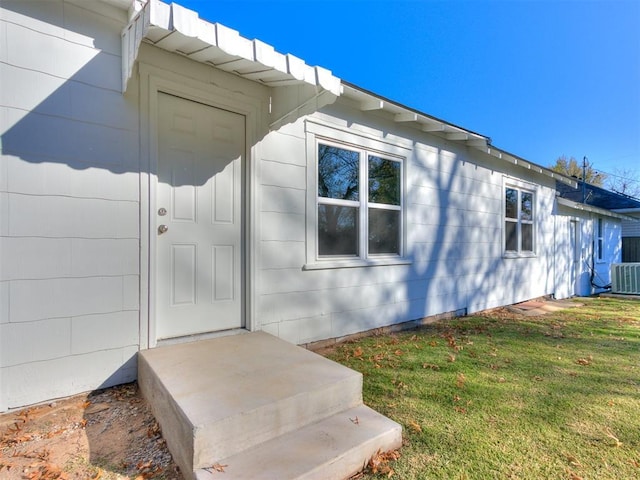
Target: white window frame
[(600, 236), (520, 187), (320, 133)]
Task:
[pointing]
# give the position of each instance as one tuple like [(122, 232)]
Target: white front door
[(198, 218)]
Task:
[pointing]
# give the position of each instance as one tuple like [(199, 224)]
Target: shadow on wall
[(455, 248)]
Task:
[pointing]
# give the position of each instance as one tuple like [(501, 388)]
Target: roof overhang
[(369, 101), (179, 30), (590, 208), (628, 210)]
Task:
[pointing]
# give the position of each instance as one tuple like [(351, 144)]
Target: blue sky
[(541, 78)]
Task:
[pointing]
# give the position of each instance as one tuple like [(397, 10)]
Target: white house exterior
[(163, 178)]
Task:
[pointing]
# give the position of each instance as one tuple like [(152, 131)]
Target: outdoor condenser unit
[(625, 278)]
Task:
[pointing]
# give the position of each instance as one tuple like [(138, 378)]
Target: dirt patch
[(109, 434)]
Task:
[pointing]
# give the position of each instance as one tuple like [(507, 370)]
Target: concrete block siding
[(69, 203)]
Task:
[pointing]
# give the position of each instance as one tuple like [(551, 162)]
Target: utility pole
[(584, 179)]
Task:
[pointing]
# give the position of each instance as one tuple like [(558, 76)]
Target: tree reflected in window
[(350, 223)]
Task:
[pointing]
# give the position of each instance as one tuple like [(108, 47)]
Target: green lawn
[(502, 396)]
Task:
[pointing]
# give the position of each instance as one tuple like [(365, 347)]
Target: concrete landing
[(532, 308), (233, 400), (334, 448)]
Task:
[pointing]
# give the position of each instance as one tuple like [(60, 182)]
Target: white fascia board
[(590, 208), (369, 101), (627, 210), (180, 30), (502, 155)]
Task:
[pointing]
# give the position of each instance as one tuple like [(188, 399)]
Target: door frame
[(154, 81)]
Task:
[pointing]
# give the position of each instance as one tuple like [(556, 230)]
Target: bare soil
[(108, 434)]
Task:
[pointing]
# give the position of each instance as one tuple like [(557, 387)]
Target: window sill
[(519, 255), (356, 263)]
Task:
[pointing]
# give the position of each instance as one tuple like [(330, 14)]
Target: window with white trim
[(519, 216), (359, 202), (600, 240)]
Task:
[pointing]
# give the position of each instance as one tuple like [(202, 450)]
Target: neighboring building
[(628, 209), (162, 177)]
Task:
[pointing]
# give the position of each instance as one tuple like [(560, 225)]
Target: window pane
[(527, 237), (384, 231), (337, 230), (527, 206), (600, 249), (384, 181), (511, 236), (511, 205), (338, 171)]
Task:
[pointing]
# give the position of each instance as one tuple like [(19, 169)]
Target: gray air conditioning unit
[(625, 278)]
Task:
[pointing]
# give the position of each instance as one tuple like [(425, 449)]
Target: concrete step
[(216, 398), (334, 448)]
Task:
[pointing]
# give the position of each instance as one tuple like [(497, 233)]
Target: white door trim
[(154, 80)]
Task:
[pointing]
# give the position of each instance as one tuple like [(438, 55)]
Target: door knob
[(162, 229)]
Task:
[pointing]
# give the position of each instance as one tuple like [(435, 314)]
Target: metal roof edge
[(589, 208)]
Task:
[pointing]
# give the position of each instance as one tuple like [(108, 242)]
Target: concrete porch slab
[(337, 447), (217, 398)]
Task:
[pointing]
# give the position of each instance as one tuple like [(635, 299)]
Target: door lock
[(162, 212), (162, 229)]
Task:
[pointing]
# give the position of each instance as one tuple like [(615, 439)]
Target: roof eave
[(370, 101), (179, 30), (590, 208)]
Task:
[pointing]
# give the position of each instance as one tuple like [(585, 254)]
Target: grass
[(503, 396)]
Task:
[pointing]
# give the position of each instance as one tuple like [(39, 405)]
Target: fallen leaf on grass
[(358, 352), (415, 426), (430, 366), (379, 463), (573, 475), (585, 361), (460, 380), (573, 460), (451, 358), (610, 434)]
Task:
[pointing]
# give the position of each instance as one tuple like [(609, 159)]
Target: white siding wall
[(69, 203), (631, 228), (454, 202), (587, 261), (70, 228)]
